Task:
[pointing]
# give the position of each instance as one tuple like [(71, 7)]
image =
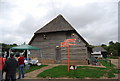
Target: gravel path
[(34, 74)]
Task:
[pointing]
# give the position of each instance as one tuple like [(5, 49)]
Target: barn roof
[(97, 49), (57, 24)]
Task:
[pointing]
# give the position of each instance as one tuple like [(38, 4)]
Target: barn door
[(58, 55)]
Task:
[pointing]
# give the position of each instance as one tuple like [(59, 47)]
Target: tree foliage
[(6, 47), (113, 48)]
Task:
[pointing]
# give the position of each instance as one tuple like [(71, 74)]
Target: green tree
[(104, 46), (113, 47), (6, 47)]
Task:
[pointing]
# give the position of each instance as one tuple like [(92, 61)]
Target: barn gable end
[(49, 38)]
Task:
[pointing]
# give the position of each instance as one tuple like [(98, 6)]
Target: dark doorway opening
[(58, 55)]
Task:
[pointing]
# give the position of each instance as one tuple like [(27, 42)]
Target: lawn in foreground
[(81, 72), (32, 68), (111, 68)]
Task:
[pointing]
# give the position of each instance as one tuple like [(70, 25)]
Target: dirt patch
[(114, 61)]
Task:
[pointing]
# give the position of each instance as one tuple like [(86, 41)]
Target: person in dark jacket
[(10, 68)]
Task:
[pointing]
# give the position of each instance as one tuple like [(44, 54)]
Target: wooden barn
[(99, 52), (49, 39)]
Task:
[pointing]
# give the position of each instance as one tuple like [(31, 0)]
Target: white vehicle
[(32, 62)]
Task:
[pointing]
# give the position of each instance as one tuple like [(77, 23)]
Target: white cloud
[(95, 20)]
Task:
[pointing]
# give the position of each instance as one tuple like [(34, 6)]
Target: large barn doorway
[(58, 55)]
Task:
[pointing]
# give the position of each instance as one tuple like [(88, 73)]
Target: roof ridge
[(57, 24)]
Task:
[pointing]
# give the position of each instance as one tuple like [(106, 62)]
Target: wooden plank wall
[(48, 46)]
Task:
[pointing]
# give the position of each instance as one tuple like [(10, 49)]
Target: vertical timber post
[(68, 58)]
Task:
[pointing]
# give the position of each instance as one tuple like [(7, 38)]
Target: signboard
[(67, 44), (64, 44), (70, 40)]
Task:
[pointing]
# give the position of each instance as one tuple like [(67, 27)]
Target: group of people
[(11, 65)]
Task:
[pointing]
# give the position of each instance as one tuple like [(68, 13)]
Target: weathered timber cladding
[(49, 39), (48, 47), (75, 62)]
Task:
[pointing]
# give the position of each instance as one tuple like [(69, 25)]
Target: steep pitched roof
[(57, 24)]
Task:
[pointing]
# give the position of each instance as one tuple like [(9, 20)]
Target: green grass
[(111, 68), (32, 68), (107, 64), (113, 57), (81, 72)]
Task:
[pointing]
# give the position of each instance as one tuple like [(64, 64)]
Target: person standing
[(10, 68), (2, 62), (1, 68), (21, 66)]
